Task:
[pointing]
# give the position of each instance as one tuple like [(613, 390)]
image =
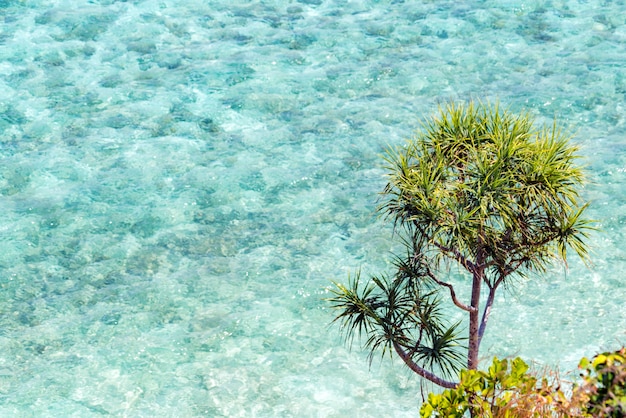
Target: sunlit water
[(180, 181)]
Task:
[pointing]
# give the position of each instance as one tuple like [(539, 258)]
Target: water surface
[(180, 181)]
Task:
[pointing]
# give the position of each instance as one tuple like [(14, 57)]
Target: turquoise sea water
[(180, 181)]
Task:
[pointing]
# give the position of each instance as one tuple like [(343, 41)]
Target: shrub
[(508, 390), (604, 384)]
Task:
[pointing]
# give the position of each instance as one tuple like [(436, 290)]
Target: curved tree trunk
[(420, 371)]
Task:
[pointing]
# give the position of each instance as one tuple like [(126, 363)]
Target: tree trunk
[(474, 327), (474, 323)]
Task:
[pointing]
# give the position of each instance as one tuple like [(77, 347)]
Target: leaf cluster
[(399, 313), (482, 183)]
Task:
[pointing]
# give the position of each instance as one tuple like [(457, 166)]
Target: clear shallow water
[(181, 180)]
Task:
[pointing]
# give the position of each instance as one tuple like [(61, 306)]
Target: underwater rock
[(142, 46), (301, 41), (13, 116), (111, 81), (208, 125), (253, 182)]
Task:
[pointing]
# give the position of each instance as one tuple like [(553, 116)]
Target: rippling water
[(181, 180)]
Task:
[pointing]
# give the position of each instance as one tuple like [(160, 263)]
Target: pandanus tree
[(479, 187)]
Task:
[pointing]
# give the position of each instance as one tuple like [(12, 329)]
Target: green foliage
[(604, 384), (399, 312), (507, 389), (482, 183), (478, 187)]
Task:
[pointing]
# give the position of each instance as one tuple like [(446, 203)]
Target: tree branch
[(421, 371), (452, 293), (469, 266), (512, 266), (488, 304), (522, 248), (486, 312)]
